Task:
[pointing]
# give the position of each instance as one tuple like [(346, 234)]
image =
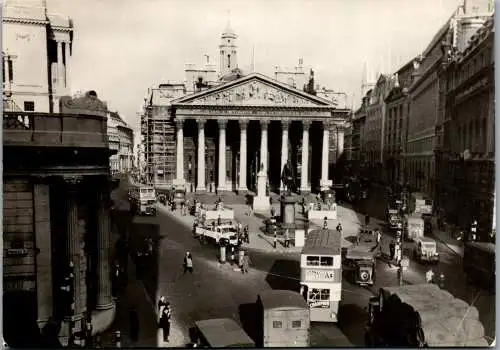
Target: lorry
[(422, 315), (415, 228), (420, 204), (394, 219)]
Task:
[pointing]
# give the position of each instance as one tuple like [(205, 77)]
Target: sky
[(123, 47)]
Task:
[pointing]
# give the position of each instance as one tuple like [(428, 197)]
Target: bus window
[(319, 294), (312, 261), (326, 261)]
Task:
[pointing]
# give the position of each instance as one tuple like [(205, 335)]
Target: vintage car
[(394, 219), (365, 271), (425, 250), (367, 240)]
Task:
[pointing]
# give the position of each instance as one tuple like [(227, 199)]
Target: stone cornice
[(25, 21), (184, 106)]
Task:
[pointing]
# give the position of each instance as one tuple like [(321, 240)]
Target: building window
[(277, 324), (326, 261), (29, 106), (296, 324), (228, 61)]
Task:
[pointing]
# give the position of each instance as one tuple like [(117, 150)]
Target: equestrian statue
[(288, 177)]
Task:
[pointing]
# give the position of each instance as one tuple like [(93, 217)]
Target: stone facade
[(121, 140), (467, 167), (194, 137), (36, 54), (50, 196)]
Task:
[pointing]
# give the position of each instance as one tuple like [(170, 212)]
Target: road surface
[(214, 291)]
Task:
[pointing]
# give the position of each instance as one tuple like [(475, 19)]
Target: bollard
[(118, 339), (222, 254)]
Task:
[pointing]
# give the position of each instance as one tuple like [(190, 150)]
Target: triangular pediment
[(253, 90)]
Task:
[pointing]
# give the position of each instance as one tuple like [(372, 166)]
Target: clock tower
[(228, 51)]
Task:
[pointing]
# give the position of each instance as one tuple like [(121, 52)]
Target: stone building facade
[(374, 127), (427, 96), (467, 170), (209, 138), (396, 126), (56, 213), (36, 56), (121, 140)]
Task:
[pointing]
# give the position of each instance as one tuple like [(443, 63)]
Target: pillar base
[(201, 190), (305, 190), (242, 191), (103, 317)]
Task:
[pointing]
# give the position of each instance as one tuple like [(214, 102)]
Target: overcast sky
[(123, 47)]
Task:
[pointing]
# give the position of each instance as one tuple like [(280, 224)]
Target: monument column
[(285, 124), (324, 154), (263, 144), (179, 123), (243, 156), (304, 173), (221, 186), (201, 156), (104, 296)]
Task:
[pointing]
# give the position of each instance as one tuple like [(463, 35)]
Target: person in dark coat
[(165, 321), (134, 325), (392, 249), (188, 263)]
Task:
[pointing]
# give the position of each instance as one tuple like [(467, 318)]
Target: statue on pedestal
[(288, 177)]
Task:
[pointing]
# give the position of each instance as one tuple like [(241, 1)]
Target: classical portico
[(253, 122)]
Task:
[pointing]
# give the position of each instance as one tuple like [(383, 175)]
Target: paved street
[(219, 291), (450, 265)]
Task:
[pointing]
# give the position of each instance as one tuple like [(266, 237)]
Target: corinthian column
[(60, 67), (67, 55), (243, 156), (324, 154), (304, 173), (179, 123), (263, 145), (340, 141), (104, 296), (74, 246), (284, 147), (222, 155), (201, 156)]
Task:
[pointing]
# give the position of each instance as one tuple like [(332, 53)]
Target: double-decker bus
[(321, 274), (142, 199)]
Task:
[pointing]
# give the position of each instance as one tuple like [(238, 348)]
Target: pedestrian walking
[(325, 223), (245, 264), (339, 228), (247, 237), (272, 212), (165, 321), (287, 238), (188, 263), (232, 256), (161, 304), (392, 249), (134, 325), (275, 238), (379, 237)]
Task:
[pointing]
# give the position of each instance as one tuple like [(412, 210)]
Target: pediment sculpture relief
[(253, 93)]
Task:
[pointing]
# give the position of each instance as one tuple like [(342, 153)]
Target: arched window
[(228, 61)]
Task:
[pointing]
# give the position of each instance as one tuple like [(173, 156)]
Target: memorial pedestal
[(261, 201), (288, 212)]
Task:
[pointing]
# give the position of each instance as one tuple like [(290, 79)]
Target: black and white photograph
[(248, 173)]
